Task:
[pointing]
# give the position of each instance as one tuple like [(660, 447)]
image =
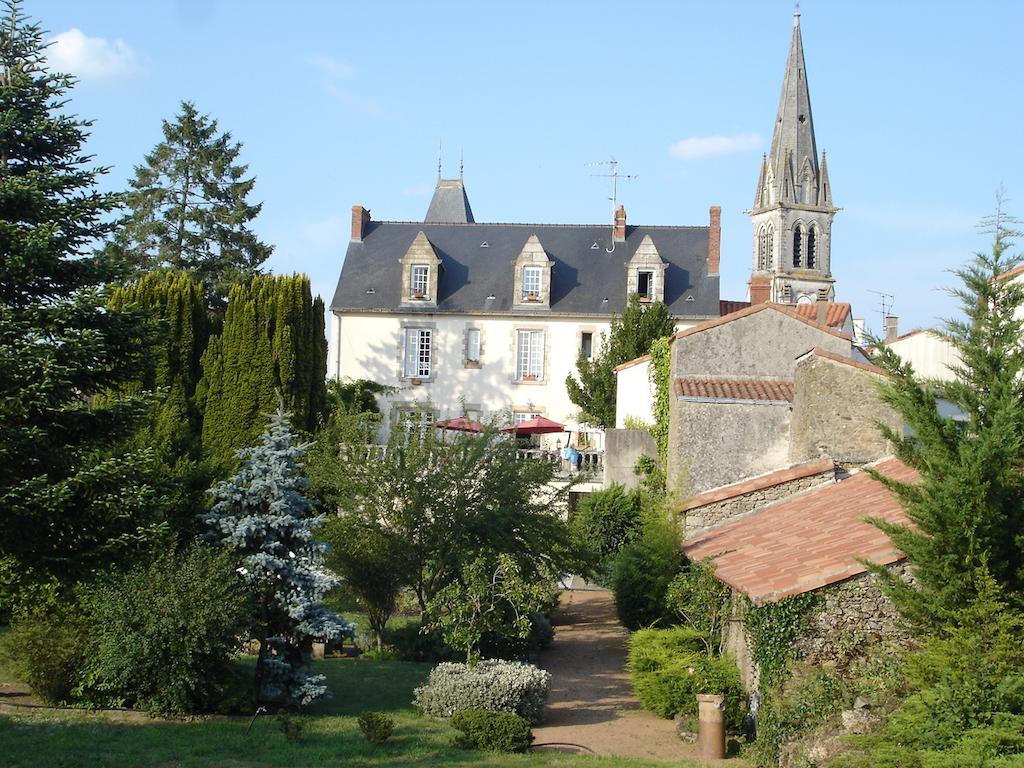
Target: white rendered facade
[(374, 346)]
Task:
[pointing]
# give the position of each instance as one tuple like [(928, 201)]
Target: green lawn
[(73, 739)]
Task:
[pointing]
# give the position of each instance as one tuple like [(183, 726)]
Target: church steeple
[(792, 213)]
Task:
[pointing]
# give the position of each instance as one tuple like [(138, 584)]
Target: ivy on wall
[(772, 631), (661, 363)]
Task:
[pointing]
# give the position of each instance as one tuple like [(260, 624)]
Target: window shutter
[(410, 351)]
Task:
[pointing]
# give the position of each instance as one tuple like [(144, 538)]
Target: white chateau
[(490, 319)]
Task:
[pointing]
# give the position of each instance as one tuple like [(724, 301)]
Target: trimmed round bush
[(669, 670), (491, 731), (376, 726), (493, 685)]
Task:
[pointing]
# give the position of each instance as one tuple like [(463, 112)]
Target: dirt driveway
[(591, 703)]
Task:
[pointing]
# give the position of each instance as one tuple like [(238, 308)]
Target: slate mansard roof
[(586, 270)]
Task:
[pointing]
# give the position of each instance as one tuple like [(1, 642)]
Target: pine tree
[(262, 514), (966, 511), (69, 499), (189, 210), (593, 388), (272, 348)]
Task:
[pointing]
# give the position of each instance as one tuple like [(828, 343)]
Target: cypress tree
[(271, 350), (70, 497), (968, 530)]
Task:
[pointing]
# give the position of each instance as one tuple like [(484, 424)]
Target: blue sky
[(918, 105)]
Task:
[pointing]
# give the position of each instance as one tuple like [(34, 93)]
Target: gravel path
[(591, 703)]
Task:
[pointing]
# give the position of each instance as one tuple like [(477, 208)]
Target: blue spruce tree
[(263, 515)]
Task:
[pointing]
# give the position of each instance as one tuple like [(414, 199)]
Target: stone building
[(802, 530)]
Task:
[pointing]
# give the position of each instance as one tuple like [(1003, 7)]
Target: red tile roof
[(869, 367), (767, 390), (808, 541), (751, 310), (836, 312), (1012, 272), (750, 485), (726, 307)]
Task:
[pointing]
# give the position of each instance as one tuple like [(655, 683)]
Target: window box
[(415, 382), (419, 295), (472, 363), (528, 378), (531, 297)]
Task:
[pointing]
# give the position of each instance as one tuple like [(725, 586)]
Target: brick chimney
[(760, 289), (715, 239), (360, 218), (619, 235)]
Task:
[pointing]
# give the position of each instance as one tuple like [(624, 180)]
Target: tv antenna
[(885, 304), (614, 175)]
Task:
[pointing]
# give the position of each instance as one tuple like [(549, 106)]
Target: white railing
[(591, 462)]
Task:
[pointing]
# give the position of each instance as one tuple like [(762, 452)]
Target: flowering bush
[(494, 685)]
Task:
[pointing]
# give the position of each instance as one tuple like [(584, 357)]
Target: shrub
[(47, 648), (165, 634), (292, 726), (376, 727), (492, 731), (412, 643), (494, 685), (494, 646), (701, 601), (669, 671), (607, 520), (643, 570)]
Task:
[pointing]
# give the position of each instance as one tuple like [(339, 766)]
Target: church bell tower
[(792, 212)]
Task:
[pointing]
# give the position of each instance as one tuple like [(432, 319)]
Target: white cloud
[(337, 70), (92, 58), (697, 147)]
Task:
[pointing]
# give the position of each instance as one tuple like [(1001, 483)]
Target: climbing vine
[(772, 630), (661, 359)]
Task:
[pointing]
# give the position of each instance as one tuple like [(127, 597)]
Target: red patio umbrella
[(538, 425), (460, 424)]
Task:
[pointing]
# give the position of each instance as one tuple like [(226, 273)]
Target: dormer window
[(531, 283), (420, 281), (421, 268), (532, 275), (645, 284), (645, 275)]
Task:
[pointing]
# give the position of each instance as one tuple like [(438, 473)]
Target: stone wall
[(851, 615), (714, 444), (709, 515), (835, 410), (622, 448)]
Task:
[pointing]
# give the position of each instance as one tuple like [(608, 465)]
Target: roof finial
[(796, 14), (461, 162), (440, 145)]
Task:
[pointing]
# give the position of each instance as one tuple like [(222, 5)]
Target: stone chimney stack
[(892, 327), (360, 220), (715, 239), (822, 307), (619, 234)]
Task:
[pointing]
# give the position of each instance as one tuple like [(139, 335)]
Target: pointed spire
[(824, 187), (450, 203), (793, 138)]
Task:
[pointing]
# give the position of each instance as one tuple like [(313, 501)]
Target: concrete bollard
[(710, 726)]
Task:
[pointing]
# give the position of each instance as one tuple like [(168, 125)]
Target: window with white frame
[(518, 417), (413, 422), (530, 355), (472, 345), (531, 282), (587, 345), (417, 353), (420, 280)]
